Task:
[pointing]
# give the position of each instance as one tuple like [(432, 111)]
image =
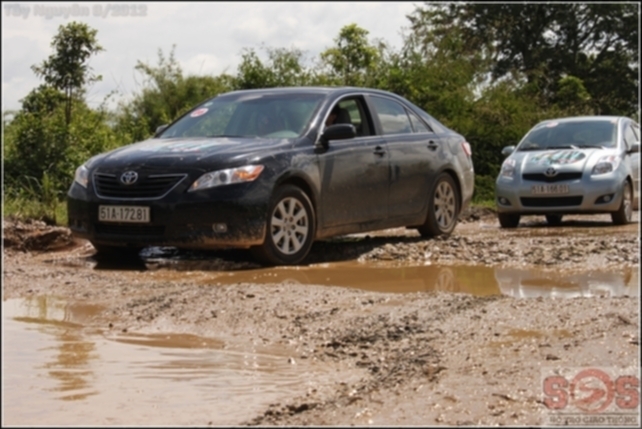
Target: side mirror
[(635, 148), (160, 129), (337, 132), (508, 150)]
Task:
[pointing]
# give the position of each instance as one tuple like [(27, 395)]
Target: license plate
[(132, 214), (549, 189)]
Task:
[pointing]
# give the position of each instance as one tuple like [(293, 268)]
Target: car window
[(267, 115), (629, 136), (567, 134), (636, 131), (417, 124), (392, 116), (357, 115)]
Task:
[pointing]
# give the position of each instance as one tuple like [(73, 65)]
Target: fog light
[(504, 201), (604, 199), (219, 227)]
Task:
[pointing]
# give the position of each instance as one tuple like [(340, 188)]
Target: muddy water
[(77, 376), (470, 279)]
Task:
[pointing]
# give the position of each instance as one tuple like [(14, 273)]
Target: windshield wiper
[(570, 146), (223, 135), (595, 146), (528, 148)]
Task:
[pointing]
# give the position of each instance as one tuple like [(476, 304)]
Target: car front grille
[(129, 230), (551, 201), (151, 187), (560, 177)]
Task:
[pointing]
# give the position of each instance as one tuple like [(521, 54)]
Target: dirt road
[(422, 358)]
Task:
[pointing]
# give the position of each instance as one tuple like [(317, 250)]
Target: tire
[(443, 208), (290, 228), (115, 253), (554, 219), (624, 214), (508, 220)]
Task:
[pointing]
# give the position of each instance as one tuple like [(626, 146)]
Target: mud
[(463, 351)]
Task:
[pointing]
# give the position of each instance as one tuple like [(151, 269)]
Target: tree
[(353, 57), (545, 42), (67, 70)]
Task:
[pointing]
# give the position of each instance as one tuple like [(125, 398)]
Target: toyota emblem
[(129, 177), (550, 172)]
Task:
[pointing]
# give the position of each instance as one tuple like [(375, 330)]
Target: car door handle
[(379, 151), (432, 145)]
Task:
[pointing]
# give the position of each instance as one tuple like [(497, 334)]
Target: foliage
[(284, 67), (166, 95)]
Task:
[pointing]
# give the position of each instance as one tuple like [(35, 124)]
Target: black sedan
[(273, 170)]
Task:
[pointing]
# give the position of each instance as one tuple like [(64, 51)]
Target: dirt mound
[(35, 235)]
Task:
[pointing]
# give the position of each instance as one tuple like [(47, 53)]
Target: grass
[(22, 208)]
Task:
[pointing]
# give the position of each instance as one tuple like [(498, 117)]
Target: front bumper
[(590, 195), (228, 217)]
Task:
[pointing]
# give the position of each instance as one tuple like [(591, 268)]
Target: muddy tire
[(508, 220), (554, 219), (290, 228), (443, 208), (624, 214)]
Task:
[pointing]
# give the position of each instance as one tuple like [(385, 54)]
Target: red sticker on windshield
[(198, 112)]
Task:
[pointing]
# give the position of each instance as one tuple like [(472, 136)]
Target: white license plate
[(132, 214), (549, 189)]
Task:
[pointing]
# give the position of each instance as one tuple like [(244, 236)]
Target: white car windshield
[(572, 134)]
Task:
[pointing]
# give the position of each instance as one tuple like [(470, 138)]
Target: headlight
[(606, 164), (247, 173), (508, 169), (82, 176)]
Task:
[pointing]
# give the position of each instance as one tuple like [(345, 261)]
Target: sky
[(209, 37)]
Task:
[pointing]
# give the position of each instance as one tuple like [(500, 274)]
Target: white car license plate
[(549, 189), (132, 214)]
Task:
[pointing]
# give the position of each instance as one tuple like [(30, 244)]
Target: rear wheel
[(554, 219), (625, 213), (443, 208), (508, 220), (290, 228)]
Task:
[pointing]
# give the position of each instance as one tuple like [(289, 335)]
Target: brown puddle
[(473, 280), (80, 377)]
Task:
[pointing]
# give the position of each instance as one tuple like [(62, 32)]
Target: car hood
[(563, 159), (181, 151)]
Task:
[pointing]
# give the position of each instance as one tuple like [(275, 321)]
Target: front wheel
[(443, 208), (290, 228), (115, 253), (508, 220), (553, 219), (624, 214)]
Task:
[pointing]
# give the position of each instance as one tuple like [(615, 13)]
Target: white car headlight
[(229, 176), (82, 176), (606, 164), (508, 169)]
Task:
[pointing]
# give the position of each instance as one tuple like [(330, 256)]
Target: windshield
[(575, 134), (248, 115)]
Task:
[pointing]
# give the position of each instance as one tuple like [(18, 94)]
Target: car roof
[(584, 118), (327, 90)]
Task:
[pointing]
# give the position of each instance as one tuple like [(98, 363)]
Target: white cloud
[(209, 37)]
